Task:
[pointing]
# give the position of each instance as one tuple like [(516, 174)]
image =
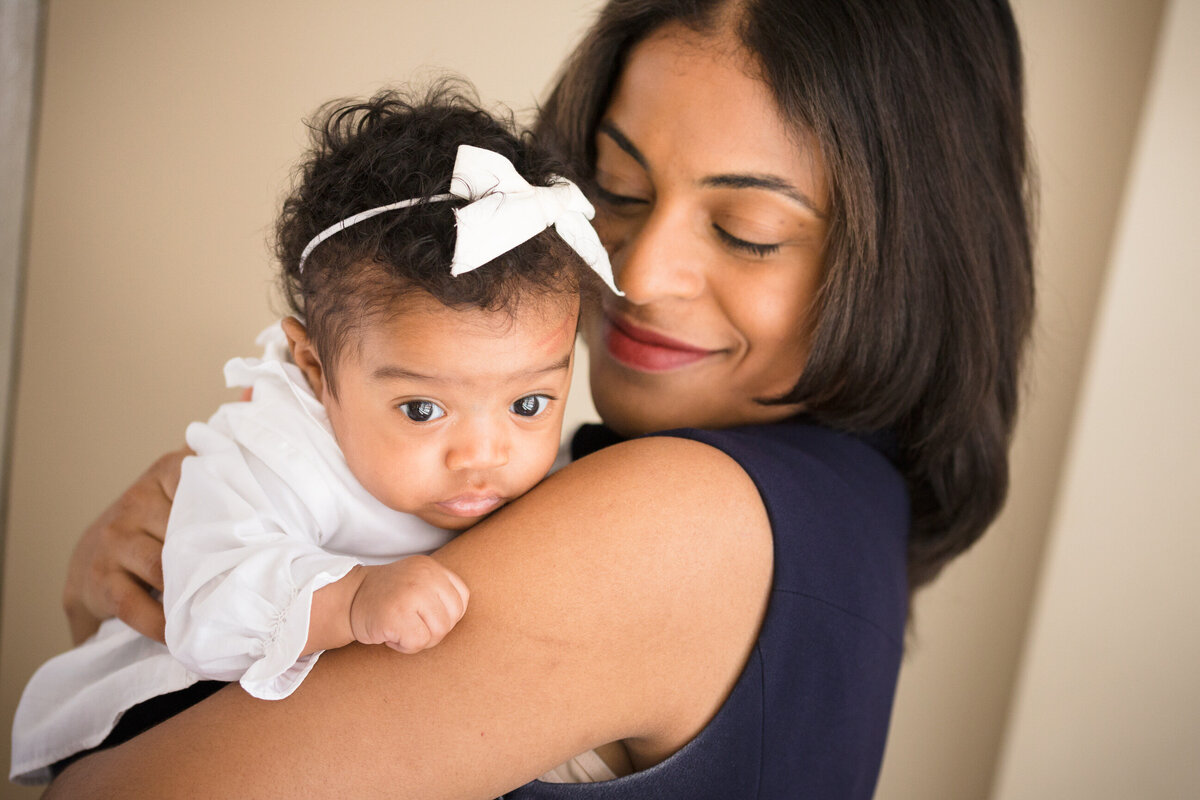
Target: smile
[(647, 351), (471, 504)]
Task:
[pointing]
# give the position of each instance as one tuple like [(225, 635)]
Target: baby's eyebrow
[(561, 363), (557, 366), (396, 372)]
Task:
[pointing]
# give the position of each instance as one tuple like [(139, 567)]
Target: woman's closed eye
[(616, 200), (759, 249), (531, 405), (422, 410)]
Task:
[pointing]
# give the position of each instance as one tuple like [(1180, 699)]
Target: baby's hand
[(409, 605)]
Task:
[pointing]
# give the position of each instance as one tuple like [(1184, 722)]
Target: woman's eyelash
[(613, 199), (754, 248)]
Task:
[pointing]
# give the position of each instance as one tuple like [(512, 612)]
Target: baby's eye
[(530, 405), (421, 410)]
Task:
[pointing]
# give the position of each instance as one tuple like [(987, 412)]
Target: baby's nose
[(479, 448)]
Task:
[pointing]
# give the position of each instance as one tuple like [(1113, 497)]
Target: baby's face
[(449, 414)]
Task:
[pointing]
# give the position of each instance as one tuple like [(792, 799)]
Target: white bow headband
[(505, 211)]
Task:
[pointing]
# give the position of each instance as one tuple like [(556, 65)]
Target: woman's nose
[(478, 446), (661, 259)]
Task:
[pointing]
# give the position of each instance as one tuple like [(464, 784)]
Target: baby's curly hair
[(390, 148)]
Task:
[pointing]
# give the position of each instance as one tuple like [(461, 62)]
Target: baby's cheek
[(398, 477), (546, 453)]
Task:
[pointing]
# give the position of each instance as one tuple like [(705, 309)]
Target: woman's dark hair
[(384, 150), (927, 294)]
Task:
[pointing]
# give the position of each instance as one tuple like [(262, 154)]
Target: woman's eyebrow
[(771, 183), (622, 141)]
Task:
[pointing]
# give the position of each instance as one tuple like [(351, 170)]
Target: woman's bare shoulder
[(618, 600), (654, 553), (662, 494), (681, 505), (691, 466)]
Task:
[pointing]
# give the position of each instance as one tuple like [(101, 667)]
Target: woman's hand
[(118, 560)]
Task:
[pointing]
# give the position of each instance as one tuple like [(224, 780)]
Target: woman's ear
[(305, 355)]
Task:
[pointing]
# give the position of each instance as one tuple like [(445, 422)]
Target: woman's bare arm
[(618, 600), (120, 555)]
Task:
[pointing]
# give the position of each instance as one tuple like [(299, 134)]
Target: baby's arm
[(251, 594), (241, 563), (409, 605)]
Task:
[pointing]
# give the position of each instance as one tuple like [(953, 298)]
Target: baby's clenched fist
[(409, 605)]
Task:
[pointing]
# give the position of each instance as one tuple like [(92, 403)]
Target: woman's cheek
[(778, 324)]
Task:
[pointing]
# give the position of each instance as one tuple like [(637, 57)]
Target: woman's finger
[(132, 604), (165, 472), (120, 554), (146, 505), (141, 556)]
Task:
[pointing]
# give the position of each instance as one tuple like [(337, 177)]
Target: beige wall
[(1087, 64), (19, 24), (167, 131), (1108, 705)]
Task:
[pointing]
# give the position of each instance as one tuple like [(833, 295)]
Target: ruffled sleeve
[(241, 562)]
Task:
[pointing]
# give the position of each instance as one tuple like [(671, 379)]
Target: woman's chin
[(641, 404), (634, 408)]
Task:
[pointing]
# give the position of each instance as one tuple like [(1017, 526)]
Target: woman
[(816, 212)]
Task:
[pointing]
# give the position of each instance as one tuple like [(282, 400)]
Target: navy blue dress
[(809, 715)]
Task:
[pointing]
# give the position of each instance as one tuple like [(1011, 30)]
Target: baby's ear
[(304, 354)]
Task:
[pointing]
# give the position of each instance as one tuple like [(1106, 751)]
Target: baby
[(433, 261)]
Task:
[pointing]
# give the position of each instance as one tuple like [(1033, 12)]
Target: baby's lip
[(471, 504)]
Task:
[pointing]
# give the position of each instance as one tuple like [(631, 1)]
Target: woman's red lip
[(648, 351)]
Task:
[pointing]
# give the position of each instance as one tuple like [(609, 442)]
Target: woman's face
[(715, 217)]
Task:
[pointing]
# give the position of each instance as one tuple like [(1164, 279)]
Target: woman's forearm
[(590, 621)]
